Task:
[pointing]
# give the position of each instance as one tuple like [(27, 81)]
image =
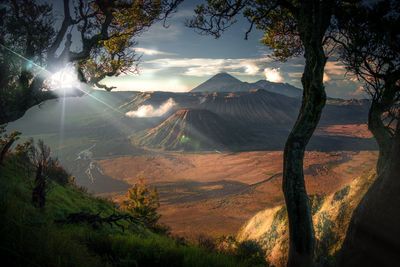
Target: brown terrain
[(346, 130), (216, 193)]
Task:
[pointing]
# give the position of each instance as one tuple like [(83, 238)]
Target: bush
[(251, 252), (226, 244), (142, 202), (58, 174), (206, 242)]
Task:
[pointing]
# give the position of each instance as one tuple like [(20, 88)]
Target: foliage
[(226, 244), (26, 31), (252, 252), (369, 48), (39, 156), (6, 141), (206, 242), (57, 173), (142, 202), (35, 43)]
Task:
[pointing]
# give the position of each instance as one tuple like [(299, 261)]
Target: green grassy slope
[(30, 237)]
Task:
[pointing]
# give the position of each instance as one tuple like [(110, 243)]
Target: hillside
[(279, 88), (33, 237), (331, 217)]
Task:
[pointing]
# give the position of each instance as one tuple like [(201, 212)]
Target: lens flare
[(66, 78)]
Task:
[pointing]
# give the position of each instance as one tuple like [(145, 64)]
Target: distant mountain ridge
[(224, 82)]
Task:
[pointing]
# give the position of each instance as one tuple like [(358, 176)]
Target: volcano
[(224, 82), (192, 130)]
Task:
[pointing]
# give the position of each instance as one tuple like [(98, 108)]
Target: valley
[(215, 156), (216, 193)]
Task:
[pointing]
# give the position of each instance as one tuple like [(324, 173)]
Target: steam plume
[(146, 111)]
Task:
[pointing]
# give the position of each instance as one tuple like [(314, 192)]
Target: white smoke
[(146, 111), (202, 100)]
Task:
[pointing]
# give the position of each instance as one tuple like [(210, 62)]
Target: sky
[(178, 59)]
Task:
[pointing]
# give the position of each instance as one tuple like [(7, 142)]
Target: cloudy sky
[(178, 59)]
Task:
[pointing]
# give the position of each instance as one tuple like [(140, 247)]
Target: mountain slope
[(256, 106), (189, 129), (223, 82), (279, 88)]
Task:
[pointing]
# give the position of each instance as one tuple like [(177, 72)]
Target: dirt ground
[(216, 193), (346, 130)]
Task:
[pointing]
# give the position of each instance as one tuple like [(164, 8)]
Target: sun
[(64, 79)]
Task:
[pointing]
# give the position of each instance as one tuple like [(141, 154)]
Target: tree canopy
[(369, 46), (97, 37)]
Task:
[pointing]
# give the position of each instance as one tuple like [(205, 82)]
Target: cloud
[(326, 78), (273, 75), (251, 69), (151, 52), (147, 82), (202, 67), (146, 111), (359, 92), (335, 68), (295, 74)]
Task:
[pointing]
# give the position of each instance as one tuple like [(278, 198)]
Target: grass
[(30, 237)]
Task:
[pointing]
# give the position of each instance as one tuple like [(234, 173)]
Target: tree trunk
[(373, 235), (381, 135), (39, 191), (301, 232), (377, 126)]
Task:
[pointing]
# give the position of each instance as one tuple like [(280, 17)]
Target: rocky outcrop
[(331, 217)]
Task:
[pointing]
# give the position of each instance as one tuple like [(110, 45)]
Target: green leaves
[(142, 201)]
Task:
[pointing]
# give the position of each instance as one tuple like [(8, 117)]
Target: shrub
[(206, 242), (58, 174), (251, 252), (226, 244), (142, 202), (6, 141)]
